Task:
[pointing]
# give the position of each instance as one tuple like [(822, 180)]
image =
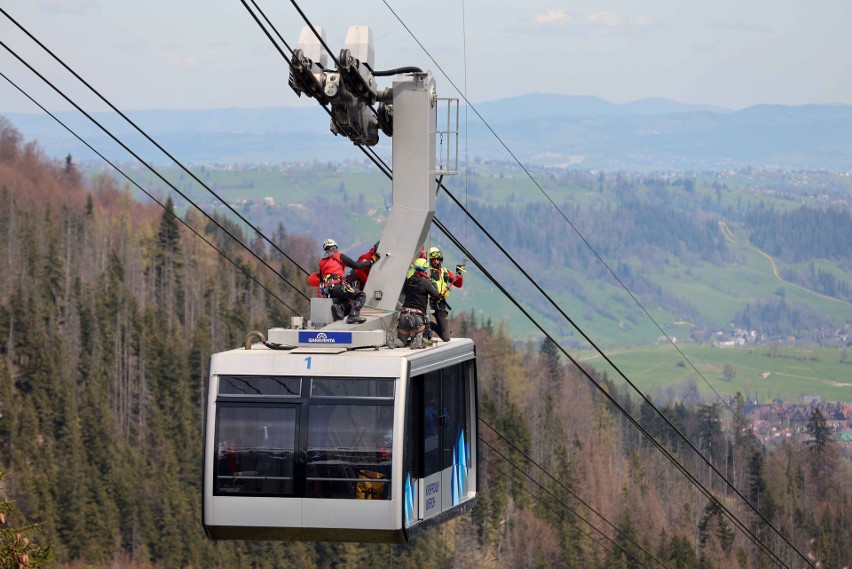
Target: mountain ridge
[(547, 129)]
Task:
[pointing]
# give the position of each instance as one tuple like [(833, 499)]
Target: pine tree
[(820, 434), (550, 354), (678, 553), (17, 550), (714, 526), (710, 432), (168, 266), (740, 426), (626, 555), (822, 452), (758, 494)]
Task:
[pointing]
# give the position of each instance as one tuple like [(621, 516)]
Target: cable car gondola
[(331, 444)]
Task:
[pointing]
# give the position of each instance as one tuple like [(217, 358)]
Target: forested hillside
[(109, 310)]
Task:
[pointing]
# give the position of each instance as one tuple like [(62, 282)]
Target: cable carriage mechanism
[(337, 437)]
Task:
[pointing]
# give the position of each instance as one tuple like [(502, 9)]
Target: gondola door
[(435, 416), (438, 443)]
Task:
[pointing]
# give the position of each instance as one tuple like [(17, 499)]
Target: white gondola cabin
[(336, 445)]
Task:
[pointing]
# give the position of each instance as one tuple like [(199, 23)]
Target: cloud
[(182, 60), (552, 17), (643, 22), (603, 19), (557, 21), (75, 7)]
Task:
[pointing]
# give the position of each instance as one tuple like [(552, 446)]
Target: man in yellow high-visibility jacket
[(444, 280)]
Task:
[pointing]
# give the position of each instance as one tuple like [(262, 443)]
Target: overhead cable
[(576, 230), (147, 193), (659, 446), (151, 168), (544, 504), (589, 245), (731, 516), (690, 477), (370, 153), (262, 27), (561, 485), (151, 140), (623, 375)]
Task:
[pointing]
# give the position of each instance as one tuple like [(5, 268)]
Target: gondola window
[(255, 450)]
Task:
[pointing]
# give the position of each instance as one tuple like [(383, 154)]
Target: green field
[(789, 375), (720, 291)]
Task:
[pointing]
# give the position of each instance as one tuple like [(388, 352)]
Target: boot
[(418, 342), (337, 311), (394, 342), (355, 317)]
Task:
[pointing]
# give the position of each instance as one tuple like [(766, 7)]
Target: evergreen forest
[(110, 309)]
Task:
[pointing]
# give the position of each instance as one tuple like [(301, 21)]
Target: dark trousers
[(441, 326), (409, 325), (355, 297)]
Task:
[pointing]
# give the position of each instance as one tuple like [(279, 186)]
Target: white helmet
[(329, 243)]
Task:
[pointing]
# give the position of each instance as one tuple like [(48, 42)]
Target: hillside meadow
[(763, 373)]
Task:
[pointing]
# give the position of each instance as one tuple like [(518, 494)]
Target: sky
[(209, 54)]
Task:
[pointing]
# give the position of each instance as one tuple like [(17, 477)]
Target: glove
[(460, 269), (375, 257)]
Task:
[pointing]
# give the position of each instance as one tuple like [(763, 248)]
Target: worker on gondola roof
[(332, 268)]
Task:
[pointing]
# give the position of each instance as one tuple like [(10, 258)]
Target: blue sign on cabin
[(325, 338)]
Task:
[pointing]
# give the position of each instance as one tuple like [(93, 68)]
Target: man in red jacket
[(359, 276), (332, 268)]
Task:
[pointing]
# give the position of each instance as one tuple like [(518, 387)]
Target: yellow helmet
[(435, 253), (421, 265)]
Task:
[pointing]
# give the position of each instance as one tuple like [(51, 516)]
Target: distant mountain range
[(579, 131)]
